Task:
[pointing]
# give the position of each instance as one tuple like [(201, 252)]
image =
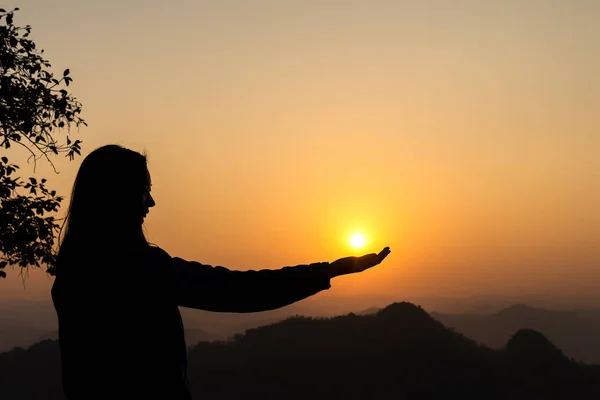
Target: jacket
[(120, 330)]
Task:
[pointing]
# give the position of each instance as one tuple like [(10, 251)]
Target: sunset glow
[(297, 132)]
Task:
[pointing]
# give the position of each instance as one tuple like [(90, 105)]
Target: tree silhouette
[(34, 108)]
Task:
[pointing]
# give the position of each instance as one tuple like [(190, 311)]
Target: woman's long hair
[(106, 203)]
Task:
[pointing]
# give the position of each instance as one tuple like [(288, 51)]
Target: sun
[(358, 240)]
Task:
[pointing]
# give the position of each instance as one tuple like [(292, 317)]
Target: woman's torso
[(120, 330)]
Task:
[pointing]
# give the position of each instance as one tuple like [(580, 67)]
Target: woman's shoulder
[(158, 253)]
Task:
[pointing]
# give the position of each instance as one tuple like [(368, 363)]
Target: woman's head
[(110, 197)]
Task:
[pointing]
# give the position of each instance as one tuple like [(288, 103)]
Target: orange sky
[(463, 134)]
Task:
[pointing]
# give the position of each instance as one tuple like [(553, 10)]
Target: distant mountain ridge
[(575, 332), (399, 352)]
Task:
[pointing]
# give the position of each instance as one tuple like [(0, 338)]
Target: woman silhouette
[(120, 332)]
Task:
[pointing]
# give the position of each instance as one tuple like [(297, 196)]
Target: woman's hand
[(351, 265)]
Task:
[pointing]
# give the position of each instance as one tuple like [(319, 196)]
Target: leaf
[(35, 107)]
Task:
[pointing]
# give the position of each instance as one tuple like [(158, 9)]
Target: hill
[(399, 352), (575, 332)]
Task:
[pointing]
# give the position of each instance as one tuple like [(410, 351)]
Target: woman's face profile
[(147, 200)]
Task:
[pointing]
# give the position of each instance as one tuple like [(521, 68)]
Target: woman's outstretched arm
[(219, 289)]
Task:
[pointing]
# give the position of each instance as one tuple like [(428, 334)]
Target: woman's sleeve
[(219, 289)]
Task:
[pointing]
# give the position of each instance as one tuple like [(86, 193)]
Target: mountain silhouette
[(532, 348), (575, 332), (399, 352)]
